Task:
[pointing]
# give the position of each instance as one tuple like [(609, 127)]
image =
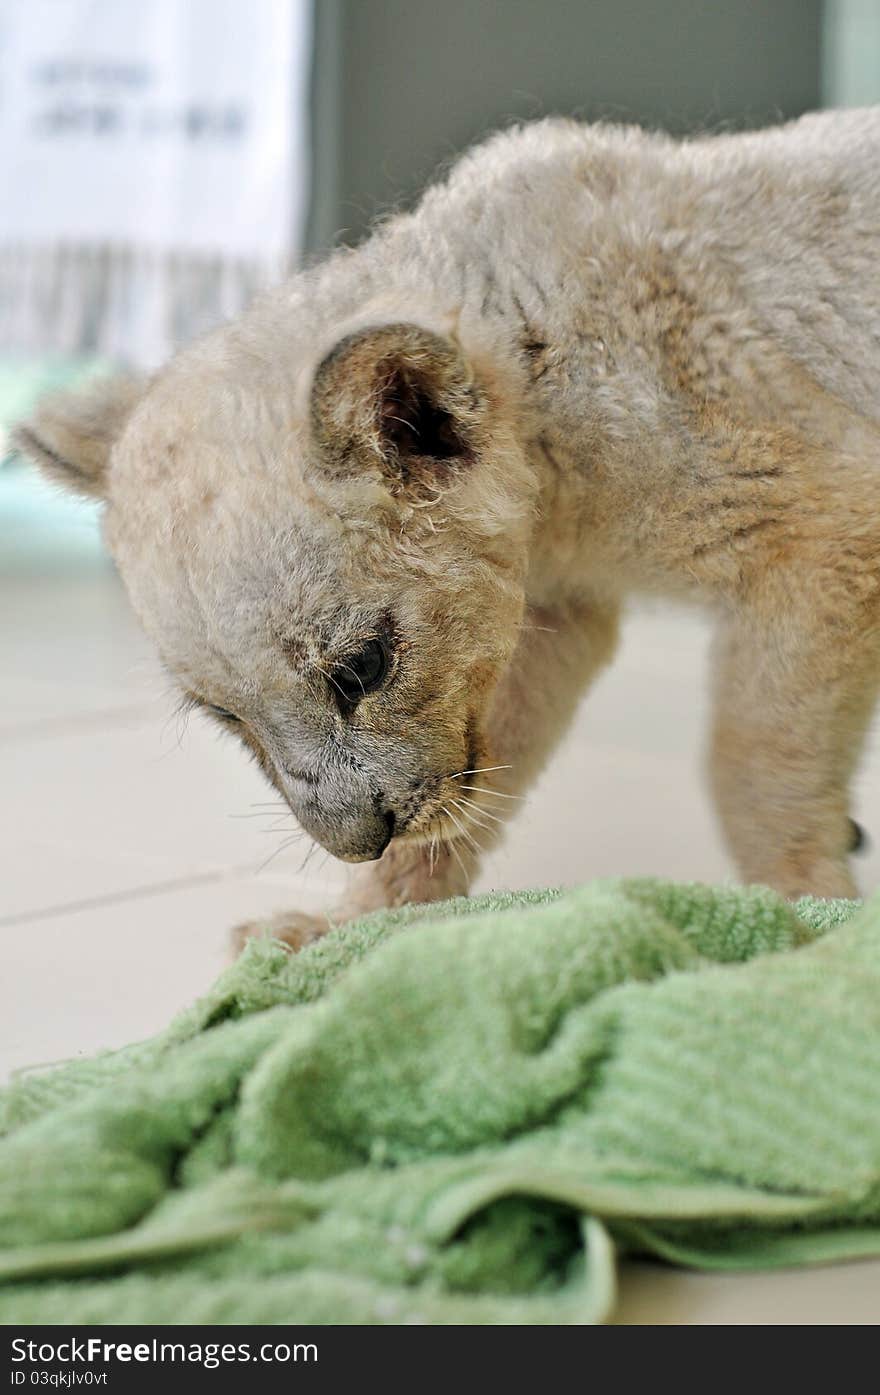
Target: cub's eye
[(223, 713), (361, 673)]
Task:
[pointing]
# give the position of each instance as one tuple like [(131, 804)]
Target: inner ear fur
[(400, 396), (71, 434)]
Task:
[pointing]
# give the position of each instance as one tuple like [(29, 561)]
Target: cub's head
[(328, 545)]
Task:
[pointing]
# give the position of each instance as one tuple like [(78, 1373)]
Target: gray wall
[(401, 85)]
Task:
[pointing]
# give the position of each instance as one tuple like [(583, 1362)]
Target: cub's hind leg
[(796, 680)]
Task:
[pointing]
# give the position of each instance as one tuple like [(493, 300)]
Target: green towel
[(463, 1114)]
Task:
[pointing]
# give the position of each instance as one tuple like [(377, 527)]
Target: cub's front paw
[(294, 929)]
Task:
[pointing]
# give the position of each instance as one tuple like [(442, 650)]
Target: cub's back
[(795, 212)]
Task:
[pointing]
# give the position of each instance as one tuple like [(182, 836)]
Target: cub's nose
[(355, 824)]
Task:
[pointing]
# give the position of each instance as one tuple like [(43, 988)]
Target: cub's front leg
[(406, 872), (559, 652)]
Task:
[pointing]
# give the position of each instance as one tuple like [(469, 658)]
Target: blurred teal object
[(42, 529), (23, 380), (851, 53)]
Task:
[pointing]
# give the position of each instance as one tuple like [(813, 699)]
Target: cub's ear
[(71, 434), (398, 396)]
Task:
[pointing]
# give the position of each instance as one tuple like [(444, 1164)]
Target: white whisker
[(499, 794), (457, 855), (474, 804), (466, 813), (480, 770), (462, 830), (308, 857), (479, 808), (271, 858)]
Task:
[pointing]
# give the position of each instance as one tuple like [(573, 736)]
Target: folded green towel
[(461, 1113)]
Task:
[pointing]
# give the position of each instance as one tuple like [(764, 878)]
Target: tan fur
[(74, 448), (593, 363)]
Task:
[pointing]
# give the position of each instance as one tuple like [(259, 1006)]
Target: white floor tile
[(74, 628), (131, 788), (839, 1294), (37, 707), (103, 975), (601, 811), (39, 879)]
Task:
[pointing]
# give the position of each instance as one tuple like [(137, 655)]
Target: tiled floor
[(125, 859)]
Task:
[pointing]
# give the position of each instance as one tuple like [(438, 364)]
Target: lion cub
[(383, 525)]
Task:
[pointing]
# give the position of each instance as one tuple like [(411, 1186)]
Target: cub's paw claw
[(858, 838), (293, 929)]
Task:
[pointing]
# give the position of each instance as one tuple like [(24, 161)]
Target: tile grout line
[(135, 893), (142, 893)]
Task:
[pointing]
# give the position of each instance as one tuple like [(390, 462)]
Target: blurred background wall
[(410, 82)]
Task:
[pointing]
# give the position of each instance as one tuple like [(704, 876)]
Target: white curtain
[(154, 167)]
